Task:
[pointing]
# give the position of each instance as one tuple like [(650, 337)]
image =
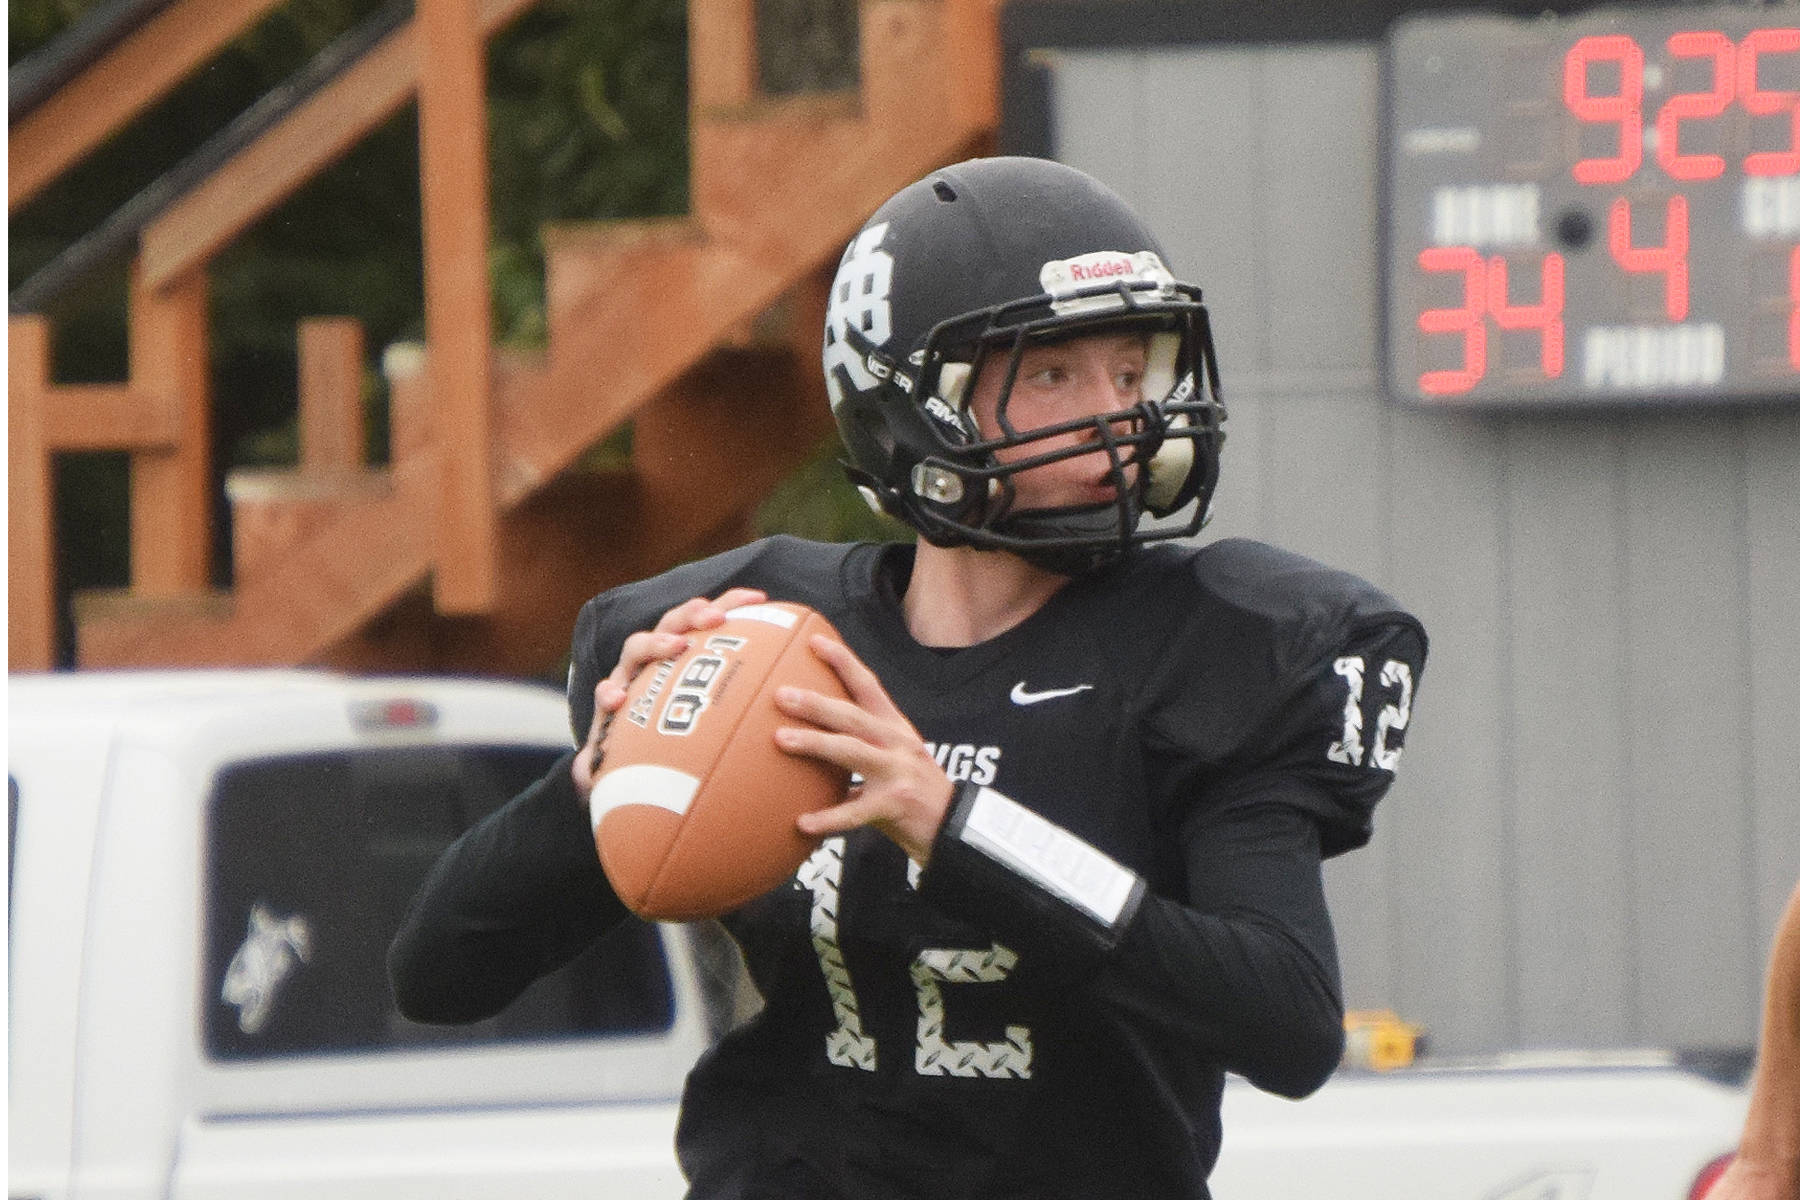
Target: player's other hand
[(670, 639), (903, 792), (1744, 1180)]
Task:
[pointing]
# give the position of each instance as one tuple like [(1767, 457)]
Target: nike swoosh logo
[(1021, 696)]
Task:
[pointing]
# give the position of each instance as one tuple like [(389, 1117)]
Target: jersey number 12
[(848, 1046)]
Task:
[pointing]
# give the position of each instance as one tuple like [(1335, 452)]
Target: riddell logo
[(1098, 272), (1062, 276)]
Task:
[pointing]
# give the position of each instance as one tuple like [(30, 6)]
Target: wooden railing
[(330, 548), (161, 415), (458, 327), (130, 77)]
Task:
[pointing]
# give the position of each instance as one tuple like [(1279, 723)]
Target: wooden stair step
[(273, 509), (356, 557), (575, 538), (628, 315), (519, 382), (120, 628)]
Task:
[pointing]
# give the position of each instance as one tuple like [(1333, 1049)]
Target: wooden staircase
[(701, 334)]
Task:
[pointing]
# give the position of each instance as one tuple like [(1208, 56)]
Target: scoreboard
[(1599, 209)]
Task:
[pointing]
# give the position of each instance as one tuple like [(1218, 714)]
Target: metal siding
[(1317, 168), (1598, 818), (1568, 760), (1772, 572), (1449, 820), (1099, 106), (1687, 719)]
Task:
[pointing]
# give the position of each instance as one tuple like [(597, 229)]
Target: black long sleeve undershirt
[(1245, 971), (1242, 971), (518, 895)]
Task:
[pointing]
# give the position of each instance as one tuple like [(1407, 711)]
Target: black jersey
[(1124, 904)]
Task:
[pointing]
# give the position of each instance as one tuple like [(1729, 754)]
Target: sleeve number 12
[(1396, 677)]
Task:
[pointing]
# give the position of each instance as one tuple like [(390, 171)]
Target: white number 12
[(848, 1046), (1395, 676)]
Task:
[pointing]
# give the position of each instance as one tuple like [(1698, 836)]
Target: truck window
[(312, 861)]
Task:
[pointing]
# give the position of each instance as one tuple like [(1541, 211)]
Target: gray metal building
[(1598, 816)]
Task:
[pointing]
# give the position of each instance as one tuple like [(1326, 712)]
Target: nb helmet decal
[(859, 302)]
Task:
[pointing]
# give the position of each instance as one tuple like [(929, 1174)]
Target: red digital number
[(1729, 82), (1670, 258), (1485, 294), (1466, 320), (1545, 316), (1763, 103), (1626, 108), (1695, 105)]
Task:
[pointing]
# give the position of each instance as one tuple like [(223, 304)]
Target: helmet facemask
[(958, 275), (1161, 452)]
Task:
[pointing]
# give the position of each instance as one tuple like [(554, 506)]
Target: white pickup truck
[(204, 873)]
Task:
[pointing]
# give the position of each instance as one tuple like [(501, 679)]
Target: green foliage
[(806, 45), (818, 502), (31, 23), (587, 103)]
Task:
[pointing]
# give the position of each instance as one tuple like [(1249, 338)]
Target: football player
[(1097, 765), (1767, 1166)]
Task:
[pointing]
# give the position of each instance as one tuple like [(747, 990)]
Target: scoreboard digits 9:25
[(1600, 209)]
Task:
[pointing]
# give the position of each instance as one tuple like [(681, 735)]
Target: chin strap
[(1099, 535)]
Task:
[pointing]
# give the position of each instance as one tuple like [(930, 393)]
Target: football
[(694, 805)]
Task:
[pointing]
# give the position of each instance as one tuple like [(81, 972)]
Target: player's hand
[(903, 793), (1751, 1181), (668, 640)]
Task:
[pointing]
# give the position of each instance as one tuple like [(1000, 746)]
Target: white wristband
[(1048, 855)]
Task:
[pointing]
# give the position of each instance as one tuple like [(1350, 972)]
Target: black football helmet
[(959, 274)]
